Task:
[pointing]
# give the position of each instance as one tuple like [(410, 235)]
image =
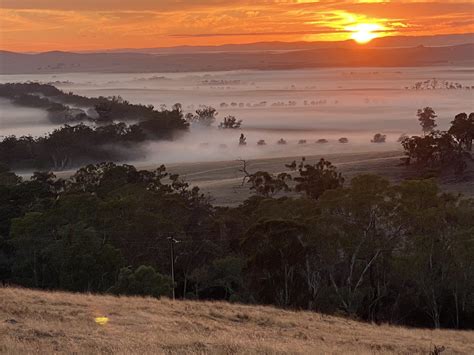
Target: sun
[(364, 32)]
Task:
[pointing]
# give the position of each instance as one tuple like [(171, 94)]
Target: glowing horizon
[(365, 32), (42, 25)]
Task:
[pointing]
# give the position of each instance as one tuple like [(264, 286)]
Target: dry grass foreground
[(57, 322)]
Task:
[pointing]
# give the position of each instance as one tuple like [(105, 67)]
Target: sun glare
[(364, 32)]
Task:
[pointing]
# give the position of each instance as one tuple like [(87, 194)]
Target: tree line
[(368, 249), (62, 106), (438, 150), (107, 137), (76, 145)]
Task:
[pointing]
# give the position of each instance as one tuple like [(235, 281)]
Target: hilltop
[(66, 62), (57, 322)]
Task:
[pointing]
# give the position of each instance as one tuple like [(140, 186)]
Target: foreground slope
[(52, 322)]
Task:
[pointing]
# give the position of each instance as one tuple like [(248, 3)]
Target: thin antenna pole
[(172, 242)]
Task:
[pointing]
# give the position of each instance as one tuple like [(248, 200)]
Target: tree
[(462, 129), (358, 228), (402, 137), (54, 250), (224, 276), (314, 179), (379, 138), (230, 122), (265, 184), (104, 110), (143, 281), (205, 116), (438, 251), (437, 150), (427, 117), (275, 250), (443, 149), (8, 177)]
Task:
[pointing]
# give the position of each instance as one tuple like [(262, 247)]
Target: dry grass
[(58, 322)]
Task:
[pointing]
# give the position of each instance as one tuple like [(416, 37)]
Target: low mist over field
[(295, 105), (20, 121)]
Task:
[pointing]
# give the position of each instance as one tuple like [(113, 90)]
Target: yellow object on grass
[(101, 320)]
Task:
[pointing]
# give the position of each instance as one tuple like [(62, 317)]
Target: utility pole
[(172, 243)]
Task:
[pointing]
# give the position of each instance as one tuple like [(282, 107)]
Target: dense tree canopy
[(387, 253)]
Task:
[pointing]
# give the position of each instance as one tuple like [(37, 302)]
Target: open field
[(57, 322), (223, 179)]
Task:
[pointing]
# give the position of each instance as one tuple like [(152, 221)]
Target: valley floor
[(57, 322), (223, 180)]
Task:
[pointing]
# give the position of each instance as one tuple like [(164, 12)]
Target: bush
[(144, 281), (379, 138)]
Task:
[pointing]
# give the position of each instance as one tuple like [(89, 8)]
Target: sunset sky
[(42, 25)]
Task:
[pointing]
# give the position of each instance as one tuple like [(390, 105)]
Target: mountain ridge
[(381, 42), (360, 56)]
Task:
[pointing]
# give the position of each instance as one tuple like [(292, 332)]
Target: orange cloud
[(38, 25)]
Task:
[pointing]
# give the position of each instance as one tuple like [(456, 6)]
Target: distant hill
[(351, 56), (392, 41), (64, 323)]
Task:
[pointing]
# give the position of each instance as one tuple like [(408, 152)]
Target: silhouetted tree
[(443, 149), (230, 122), (315, 179), (427, 117), (462, 129), (265, 184), (205, 116), (379, 138)]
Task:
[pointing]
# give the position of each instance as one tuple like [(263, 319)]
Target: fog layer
[(294, 105)]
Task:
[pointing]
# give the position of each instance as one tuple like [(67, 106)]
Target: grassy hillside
[(57, 322)]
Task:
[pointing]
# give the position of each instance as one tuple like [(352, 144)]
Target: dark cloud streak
[(289, 33)]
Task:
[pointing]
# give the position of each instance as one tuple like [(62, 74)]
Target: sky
[(44, 25)]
